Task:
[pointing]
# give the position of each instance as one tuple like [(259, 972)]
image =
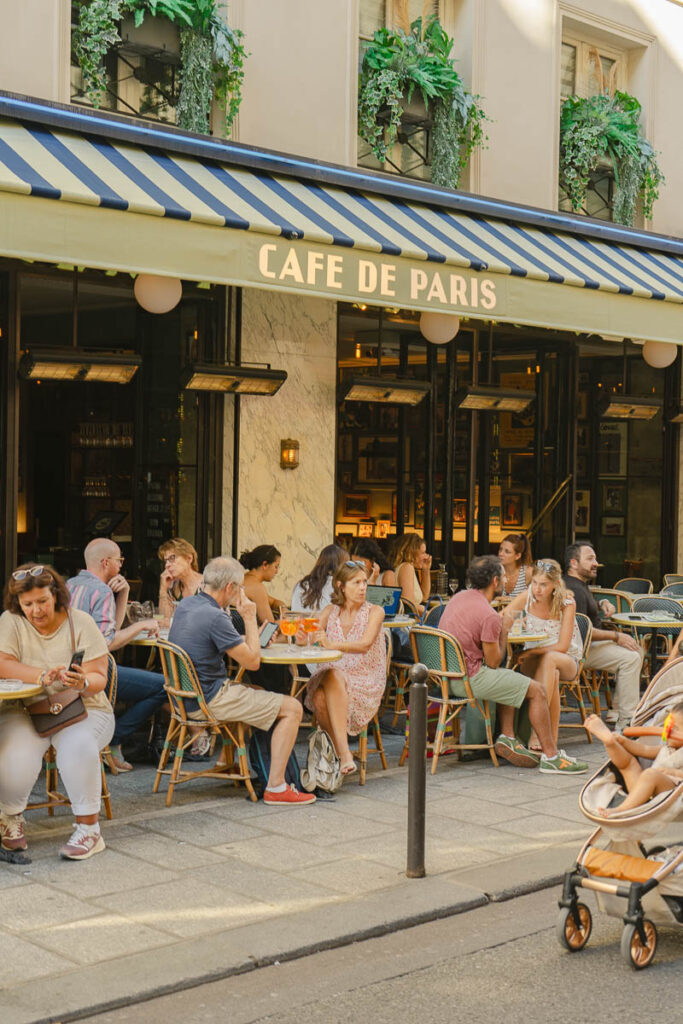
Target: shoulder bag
[(54, 713), (323, 768)]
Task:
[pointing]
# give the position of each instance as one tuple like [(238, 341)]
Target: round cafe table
[(399, 622), (297, 654), (517, 639), (652, 621), (18, 692)]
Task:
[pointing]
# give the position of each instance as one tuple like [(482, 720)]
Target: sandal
[(349, 768), (119, 764)]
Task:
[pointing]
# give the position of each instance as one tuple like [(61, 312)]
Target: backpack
[(323, 768), (259, 759)]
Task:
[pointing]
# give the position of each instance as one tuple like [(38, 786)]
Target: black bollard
[(417, 766)]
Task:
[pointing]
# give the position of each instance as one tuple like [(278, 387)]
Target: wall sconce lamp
[(492, 399), (625, 407), (289, 453), (79, 365)]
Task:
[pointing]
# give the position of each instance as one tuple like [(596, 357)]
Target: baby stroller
[(632, 879)]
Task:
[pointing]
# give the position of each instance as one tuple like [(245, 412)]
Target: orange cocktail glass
[(288, 626), (310, 625)]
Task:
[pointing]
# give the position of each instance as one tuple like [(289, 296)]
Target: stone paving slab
[(216, 884)]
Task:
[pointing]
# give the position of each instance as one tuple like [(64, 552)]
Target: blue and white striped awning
[(98, 201)]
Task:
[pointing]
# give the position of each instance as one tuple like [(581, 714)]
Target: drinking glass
[(453, 585), (518, 623), (310, 625), (289, 623)]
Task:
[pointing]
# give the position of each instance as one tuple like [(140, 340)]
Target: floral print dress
[(365, 675)]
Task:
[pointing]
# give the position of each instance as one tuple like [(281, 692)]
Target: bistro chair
[(634, 585), (672, 577), (672, 590), (433, 616), (572, 691), (399, 668), (621, 599), (54, 796), (443, 656), (360, 753), (181, 684), (668, 634)]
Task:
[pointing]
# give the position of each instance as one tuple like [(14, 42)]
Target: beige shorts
[(235, 702)]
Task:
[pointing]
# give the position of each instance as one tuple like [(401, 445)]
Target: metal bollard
[(417, 766)]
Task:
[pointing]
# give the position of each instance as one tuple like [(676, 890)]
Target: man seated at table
[(101, 591), (610, 650), (482, 634), (203, 629)]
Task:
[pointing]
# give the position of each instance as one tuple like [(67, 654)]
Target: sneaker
[(12, 832), (612, 716), (83, 844), (515, 752), (562, 764), (289, 797)]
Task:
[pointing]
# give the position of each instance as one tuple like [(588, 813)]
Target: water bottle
[(442, 580)]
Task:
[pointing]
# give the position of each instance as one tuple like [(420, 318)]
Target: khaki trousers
[(626, 666)]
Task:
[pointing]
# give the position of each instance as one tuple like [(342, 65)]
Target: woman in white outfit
[(38, 636)]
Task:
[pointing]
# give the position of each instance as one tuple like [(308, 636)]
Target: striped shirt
[(91, 595)]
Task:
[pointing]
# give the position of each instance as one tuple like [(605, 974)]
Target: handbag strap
[(71, 630)]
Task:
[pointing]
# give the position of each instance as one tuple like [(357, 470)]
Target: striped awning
[(68, 196)]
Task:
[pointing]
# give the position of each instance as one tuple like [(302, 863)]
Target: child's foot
[(597, 727)]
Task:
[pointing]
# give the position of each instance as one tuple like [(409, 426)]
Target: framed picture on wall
[(383, 527), (512, 512), (582, 512), (366, 529), (613, 498), (612, 451), (356, 504), (613, 526), (459, 511)]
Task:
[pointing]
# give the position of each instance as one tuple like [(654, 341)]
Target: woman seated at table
[(262, 565), (346, 695), (515, 554), (180, 577), (314, 591), (549, 608), (38, 636), (413, 564), (376, 562)]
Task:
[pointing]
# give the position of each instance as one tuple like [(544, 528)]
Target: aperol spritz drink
[(289, 624), (310, 625)]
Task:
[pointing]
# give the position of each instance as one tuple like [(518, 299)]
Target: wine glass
[(310, 624), (289, 623), (453, 585)]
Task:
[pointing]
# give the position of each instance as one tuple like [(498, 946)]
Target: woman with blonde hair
[(346, 696), (549, 608), (412, 564), (180, 576)]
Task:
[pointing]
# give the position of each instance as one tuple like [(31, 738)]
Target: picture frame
[(613, 498), (383, 527), (356, 505), (512, 508), (582, 512), (612, 449), (409, 513), (366, 529), (613, 526), (459, 511)]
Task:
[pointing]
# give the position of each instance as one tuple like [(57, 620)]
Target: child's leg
[(628, 765), (649, 783)]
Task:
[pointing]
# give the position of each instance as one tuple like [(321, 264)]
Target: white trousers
[(626, 666), (78, 759)]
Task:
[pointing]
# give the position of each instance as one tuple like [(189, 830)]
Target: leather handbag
[(53, 713)]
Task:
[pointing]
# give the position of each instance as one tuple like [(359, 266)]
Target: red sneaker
[(290, 797)]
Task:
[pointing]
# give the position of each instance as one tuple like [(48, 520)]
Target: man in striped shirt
[(101, 591)]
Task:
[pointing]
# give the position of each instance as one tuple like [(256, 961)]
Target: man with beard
[(609, 651), (482, 634)]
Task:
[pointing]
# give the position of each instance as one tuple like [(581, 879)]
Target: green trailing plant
[(605, 126), (395, 64), (212, 53)]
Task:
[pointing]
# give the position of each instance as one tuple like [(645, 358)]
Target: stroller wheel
[(570, 935), (633, 951)]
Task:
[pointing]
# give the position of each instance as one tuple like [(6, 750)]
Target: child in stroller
[(643, 783)]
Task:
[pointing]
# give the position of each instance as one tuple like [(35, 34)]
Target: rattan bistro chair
[(361, 752), (672, 577), (53, 795), (573, 691), (621, 600), (672, 590), (634, 585), (667, 634), (443, 656), (181, 684)]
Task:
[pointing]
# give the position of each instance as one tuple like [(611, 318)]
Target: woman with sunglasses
[(39, 634), (180, 576), (346, 696), (549, 608)]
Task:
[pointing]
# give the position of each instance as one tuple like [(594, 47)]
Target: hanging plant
[(605, 126), (212, 54), (395, 64)]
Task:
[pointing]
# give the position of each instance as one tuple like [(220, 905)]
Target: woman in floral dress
[(346, 695)]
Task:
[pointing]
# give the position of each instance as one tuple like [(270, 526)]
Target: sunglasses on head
[(356, 565), (545, 566), (22, 574)]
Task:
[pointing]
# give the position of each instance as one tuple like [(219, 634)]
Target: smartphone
[(76, 659), (268, 632)]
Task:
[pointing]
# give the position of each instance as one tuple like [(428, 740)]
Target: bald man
[(101, 591)]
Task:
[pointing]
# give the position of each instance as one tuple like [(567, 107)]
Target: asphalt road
[(501, 963)]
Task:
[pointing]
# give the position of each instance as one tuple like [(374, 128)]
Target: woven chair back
[(672, 577), (112, 680), (621, 599), (586, 630), (180, 678), (634, 585), (409, 608), (439, 651), (433, 616), (659, 604), (672, 590)]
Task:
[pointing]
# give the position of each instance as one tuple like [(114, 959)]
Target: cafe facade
[(292, 393)]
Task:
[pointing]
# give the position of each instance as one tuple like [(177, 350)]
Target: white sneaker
[(83, 843), (612, 716)]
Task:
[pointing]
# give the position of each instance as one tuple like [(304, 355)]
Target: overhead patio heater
[(384, 389), (236, 380), (485, 398), (626, 407), (74, 364)]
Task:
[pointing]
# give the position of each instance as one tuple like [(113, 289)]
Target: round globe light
[(659, 353), (439, 328), (158, 294)]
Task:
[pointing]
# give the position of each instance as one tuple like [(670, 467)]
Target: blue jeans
[(144, 693)]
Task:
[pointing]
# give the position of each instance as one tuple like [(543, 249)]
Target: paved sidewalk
[(216, 884)]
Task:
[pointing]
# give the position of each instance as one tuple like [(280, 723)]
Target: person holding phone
[(44, 641)]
